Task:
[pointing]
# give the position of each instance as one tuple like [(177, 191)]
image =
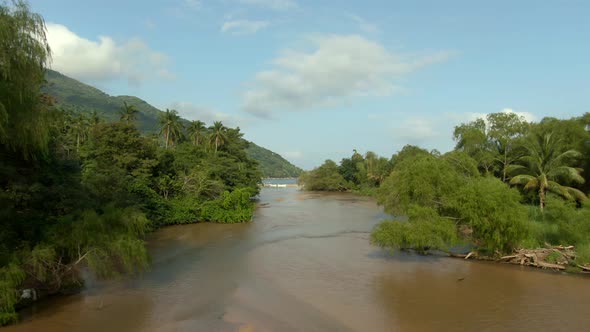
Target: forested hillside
[(74, 95), (272, 165)]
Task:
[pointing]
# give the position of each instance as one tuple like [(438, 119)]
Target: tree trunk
[(167, 134), (505, 167), (542, 197)]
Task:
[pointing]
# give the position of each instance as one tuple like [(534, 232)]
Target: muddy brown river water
[(306, 264)]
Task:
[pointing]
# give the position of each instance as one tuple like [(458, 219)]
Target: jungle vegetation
[(78, 191), (508, 184)]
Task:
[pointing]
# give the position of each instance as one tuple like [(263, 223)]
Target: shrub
[(231, 207), (425, 230), (493, 211)]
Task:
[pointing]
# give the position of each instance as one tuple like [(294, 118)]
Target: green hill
[(72, 94), (76, 95), (272, 164)]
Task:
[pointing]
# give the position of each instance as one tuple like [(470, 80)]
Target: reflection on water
[(306, 264)]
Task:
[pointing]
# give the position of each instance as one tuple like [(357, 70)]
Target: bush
[(583, 254), (494, 213), (425, 230), (423, 180), (183, 210), (231, 207), (324, 178), (10, 278)]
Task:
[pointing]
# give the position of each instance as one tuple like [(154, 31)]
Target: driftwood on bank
[(551, 257)]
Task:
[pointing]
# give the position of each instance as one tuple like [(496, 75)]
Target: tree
[(218, 136), (473, 139), (24, 54), (170, 126), (324, 178), (128, 113), (546, 165), (94, 118), (494, 142), (506, 130), (196, 131)]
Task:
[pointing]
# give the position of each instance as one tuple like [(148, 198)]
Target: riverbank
[(557, 258), (306, 263)]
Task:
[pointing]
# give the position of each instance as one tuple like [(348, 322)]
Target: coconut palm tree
[(80, 130), (218, 136), (545, 166), (94, 118), (128, 113), (170, 126), (196, 131)]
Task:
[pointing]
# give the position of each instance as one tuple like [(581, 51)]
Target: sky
[(313, 80)]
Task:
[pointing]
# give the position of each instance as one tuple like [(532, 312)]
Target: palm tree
[(195, 131), (544, 165), (128, 113), (94, 118), (80, 128), (170, 126), (218, 136)]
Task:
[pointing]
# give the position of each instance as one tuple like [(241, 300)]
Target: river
[(305, 263)]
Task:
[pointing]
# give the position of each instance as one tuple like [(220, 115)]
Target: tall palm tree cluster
[(172, 129), (545, 168)]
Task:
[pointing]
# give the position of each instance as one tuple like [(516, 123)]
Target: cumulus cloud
[(104, 59), (243, 27), (471, 116), (272, 4), (336, 68), (415, 130), (191, 111)]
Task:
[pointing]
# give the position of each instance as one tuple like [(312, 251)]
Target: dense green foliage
[(79, 191), (80, 98), (508, 184), (358, 173)]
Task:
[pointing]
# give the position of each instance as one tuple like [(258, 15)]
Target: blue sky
[(313, 80)]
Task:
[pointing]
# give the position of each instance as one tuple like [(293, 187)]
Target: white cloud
[(191, 111), (472, 116), (272, 4), (104, 59), (364, 25), (416, 130), (338, 67), (243, 27), (529, 117)]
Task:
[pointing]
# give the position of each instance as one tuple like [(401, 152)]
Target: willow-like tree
[(218, 136), (196, 131), (170, 127), (24, 54), (546, 165), (128, 113)]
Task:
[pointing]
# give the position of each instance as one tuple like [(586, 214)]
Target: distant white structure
[(280, 185)]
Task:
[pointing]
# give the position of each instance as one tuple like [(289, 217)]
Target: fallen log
[(546, 265)]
